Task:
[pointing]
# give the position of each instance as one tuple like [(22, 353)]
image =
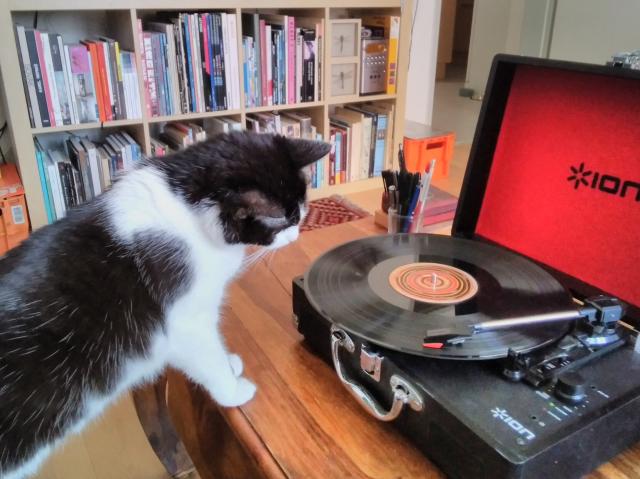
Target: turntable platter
[(391, 289)]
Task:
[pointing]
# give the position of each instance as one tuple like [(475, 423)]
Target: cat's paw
[(243, 392), (235, 362)]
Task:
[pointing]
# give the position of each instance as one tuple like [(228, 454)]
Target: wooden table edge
[(251, 442)]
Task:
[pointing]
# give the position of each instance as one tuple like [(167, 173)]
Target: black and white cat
[(133, 281)]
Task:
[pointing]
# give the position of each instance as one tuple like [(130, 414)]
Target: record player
[(508, 350)]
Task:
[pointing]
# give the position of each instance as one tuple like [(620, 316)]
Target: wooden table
[(302, 422)]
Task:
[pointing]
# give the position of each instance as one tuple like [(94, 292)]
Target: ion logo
[(503, 416), (610, 184)]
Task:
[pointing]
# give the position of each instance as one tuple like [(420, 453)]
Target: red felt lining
[(554, 120)]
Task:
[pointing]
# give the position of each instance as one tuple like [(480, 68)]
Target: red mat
[(331, 211)]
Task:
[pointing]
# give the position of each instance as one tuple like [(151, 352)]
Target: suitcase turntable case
[(554, 176)]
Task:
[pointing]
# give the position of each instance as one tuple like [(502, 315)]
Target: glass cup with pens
[(407, 195)]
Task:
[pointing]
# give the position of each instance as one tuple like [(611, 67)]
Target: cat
[(131, 282)]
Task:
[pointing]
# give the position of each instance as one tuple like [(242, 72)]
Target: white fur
[(142, 201)]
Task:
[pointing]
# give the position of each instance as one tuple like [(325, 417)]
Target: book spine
[(392, 57), (107, 91), (381, 135), (28, 79), (143, 64), (127, 85), (119, 80), (164, 62), (66, 185), (309, 64), (226, 57), (318, 65), (269, 67), (181, 66), (150, 73), (299, 60), (234, 71), (274, 65), (197, 63), (184, 20), (219, 62), (282, 68), (46, 195), (60, 79), (158, 73), (263, 63), (68, 81), (215, 69), (97, 81), (112, 70), (203, 34), (51, 75), (291, 60), (46, 81), (332, 158), (34, 58), (245, 71), (342, 141)]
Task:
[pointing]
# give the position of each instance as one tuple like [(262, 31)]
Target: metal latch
[(371, 363)]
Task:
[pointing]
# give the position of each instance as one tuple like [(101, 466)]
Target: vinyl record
[(391, 289)]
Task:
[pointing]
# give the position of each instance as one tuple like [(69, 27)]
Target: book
[(83, 88), (44, 182), (51, 76), (44, 71), (251, 29), (305, 121), (234, 66), (171, 61), (360, 140), (28, 79)]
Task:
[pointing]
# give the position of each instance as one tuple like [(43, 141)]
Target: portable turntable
[(508, 350)]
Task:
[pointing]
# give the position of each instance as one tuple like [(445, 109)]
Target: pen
[(424, 193)]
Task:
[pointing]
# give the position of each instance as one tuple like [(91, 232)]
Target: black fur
[(245, 162), (76, 302)]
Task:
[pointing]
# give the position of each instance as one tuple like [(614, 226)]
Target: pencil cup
[(401, 224)]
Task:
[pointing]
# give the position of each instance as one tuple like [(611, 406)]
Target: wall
[(422, 61), (592, 30), (495, 28)]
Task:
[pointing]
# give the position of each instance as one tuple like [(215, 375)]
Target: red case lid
[(554, 172)]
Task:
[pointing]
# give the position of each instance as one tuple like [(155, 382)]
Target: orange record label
[(433, 283)]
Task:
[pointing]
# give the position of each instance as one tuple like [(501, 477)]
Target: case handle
[(403, 392)]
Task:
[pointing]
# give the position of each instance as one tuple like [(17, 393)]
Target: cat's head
[(251, 186)]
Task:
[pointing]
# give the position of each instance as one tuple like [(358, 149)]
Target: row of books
[(293, 125), (178, 135), (360, 141), (82, 169), (67, 84), (190, 63), (281, 59)]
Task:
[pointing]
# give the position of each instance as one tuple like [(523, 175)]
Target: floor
[(450, 110), (114, 447)]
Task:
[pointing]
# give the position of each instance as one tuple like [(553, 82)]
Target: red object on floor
[(331, 211), (564, 187)]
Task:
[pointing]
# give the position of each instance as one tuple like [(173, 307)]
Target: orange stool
[(14, 223), (422, 144)]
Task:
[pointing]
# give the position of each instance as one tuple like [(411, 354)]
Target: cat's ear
[(305, 152)]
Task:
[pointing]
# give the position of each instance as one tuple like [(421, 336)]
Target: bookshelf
[(77, 19)]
